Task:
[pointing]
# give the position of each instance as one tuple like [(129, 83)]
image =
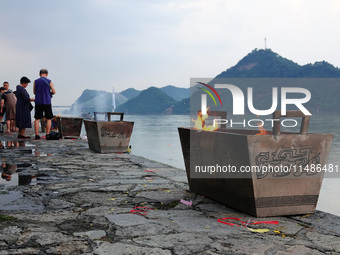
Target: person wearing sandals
[(23, 108), (43, 89)]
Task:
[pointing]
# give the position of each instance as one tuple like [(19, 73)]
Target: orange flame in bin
[(262, 130), (200, 123)]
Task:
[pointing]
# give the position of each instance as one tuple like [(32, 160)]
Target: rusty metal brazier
[(69, 127), (109, 136), (293, 190)]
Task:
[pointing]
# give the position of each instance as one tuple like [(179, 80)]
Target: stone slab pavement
[(72, 200)]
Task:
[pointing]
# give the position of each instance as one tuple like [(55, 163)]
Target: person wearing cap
[(43, 90), (23, 108)]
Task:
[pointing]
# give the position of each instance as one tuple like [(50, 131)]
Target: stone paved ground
[(81, 203)]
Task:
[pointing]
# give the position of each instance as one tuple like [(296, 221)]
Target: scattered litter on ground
[(245, 224), (188, 203), (141, 210)]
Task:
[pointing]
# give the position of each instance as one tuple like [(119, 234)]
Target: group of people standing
[(17, 107)]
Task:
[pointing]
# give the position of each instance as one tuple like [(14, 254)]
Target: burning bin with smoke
[(109, 136), (277, 173)]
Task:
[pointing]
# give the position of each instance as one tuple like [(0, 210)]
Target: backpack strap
[(46, 82)]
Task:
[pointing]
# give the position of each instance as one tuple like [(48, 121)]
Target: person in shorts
[(43, 89)]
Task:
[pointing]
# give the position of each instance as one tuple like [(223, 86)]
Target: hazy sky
[(100, 44)]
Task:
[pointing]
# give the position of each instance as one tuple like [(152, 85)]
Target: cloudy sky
[(105, 44)]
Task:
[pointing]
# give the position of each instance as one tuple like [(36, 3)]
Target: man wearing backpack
[(43, 89)]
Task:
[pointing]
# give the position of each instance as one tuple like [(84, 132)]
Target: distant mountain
[(120, 99), (325, 93), (182, 107), (89, 94), (95, 101), (176, 93), (321, 69), (319, 78), (268, 64), (150, 101), (130, 93)]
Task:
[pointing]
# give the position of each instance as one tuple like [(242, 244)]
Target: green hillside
[(130, 93), (325, 93), (149, 101), (182, 107), (268, 64), (260, 67), (320, 69), (176, 93)]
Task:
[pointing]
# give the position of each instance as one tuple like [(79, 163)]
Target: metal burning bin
[(263, 191), (70, 127), (109, 136)]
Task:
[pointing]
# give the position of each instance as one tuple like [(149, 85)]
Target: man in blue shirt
[(43, 89)]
